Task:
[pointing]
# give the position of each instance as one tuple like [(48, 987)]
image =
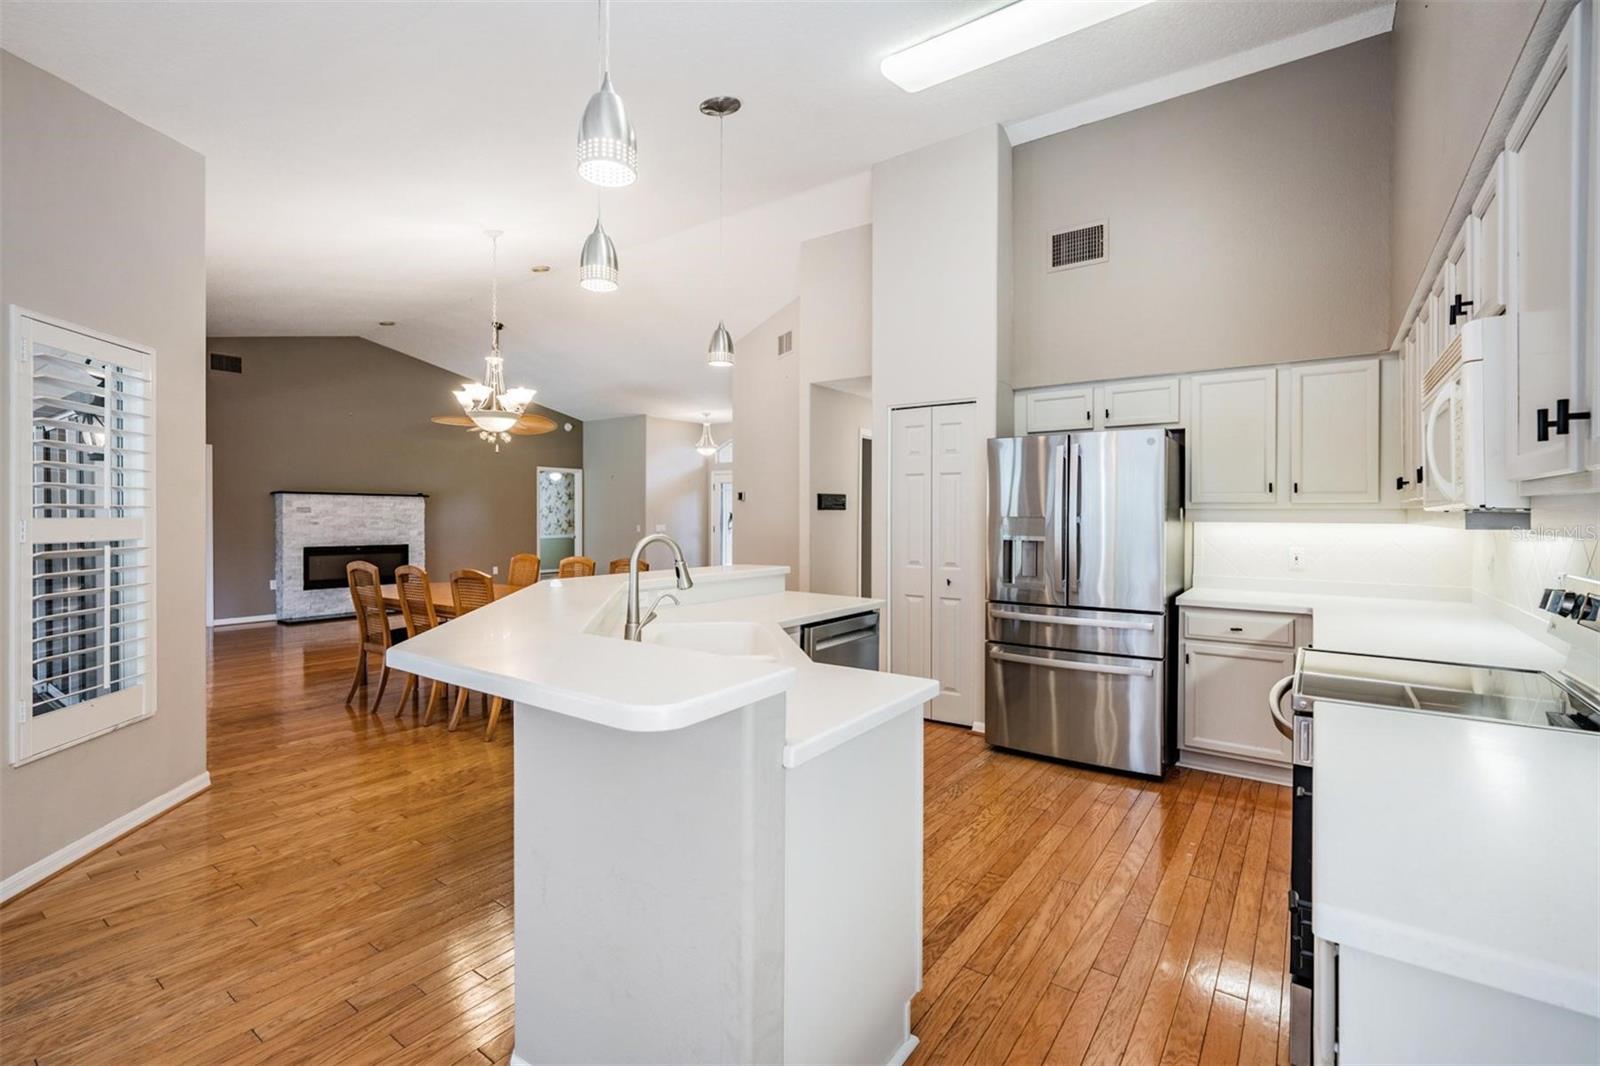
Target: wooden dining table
[(444, 601)]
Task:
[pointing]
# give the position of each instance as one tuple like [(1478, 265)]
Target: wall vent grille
[(1079, 246), (228, 364), (786, 342)]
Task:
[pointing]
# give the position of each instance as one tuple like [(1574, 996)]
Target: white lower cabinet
[(1229, 662)]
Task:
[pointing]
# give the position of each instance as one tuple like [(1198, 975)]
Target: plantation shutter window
[(84, 566)]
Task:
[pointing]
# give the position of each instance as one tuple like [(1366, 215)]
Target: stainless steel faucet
[(680, 568)]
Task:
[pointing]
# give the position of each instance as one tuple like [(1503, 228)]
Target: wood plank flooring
[(342, 894)]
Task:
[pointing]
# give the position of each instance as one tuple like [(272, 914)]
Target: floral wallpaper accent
[(557, 513)]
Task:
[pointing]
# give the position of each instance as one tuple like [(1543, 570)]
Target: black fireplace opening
[(324, 564)]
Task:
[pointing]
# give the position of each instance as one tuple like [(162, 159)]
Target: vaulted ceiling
[(355, 152)]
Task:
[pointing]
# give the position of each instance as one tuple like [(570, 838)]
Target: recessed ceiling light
[(1001, 34), (540, 268), (386, 322)]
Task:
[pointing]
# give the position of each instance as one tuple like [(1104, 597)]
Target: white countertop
[(557, 645), (1441, 630)]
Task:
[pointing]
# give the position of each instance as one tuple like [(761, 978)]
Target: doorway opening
[(721, 517), (864, 494), (560, 515)]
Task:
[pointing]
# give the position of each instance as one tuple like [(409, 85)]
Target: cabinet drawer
[(1245, 627)]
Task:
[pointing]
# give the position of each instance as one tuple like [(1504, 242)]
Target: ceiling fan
[(527, 425)]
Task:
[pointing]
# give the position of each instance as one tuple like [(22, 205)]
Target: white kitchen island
[(718, 843)]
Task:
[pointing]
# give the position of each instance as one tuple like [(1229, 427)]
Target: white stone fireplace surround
[(316, 519)]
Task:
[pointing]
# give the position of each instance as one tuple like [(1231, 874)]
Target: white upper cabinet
[(1334, 433), (1141, 402), (1233, 437), (1593, 371), (1487, 226), (1054, 410), (1546, 154), (1458, 284), (1408, 483)]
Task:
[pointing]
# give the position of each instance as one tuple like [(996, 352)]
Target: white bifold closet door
[(936, 554)]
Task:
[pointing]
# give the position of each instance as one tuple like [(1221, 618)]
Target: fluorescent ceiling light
[(1001, 34)]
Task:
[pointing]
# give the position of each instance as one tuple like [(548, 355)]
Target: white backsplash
[(1513, 568), (1378, 559)]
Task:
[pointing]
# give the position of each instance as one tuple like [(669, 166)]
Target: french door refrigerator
[(1085, 558)]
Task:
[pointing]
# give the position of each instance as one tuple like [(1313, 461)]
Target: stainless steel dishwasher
[(848, 641)]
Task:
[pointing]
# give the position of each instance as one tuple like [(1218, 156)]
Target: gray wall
[(103, 224), (676, 488), (766, 457), (613, 486), (345, 414), (1247, 223), (837, 419), (1451, 64)]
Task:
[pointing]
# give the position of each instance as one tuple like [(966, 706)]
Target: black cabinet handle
[(1108, 412), (1236, 629), (1458, 310), (1297, 487), (1400, 483), (1269, 486), (1561, 423), (1419, 475)]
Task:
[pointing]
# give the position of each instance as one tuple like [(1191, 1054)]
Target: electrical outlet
[(661, 527), (272, 584), (1297, 558), (494, 571)]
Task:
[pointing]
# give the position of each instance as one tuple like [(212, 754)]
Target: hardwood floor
[(342, 893)]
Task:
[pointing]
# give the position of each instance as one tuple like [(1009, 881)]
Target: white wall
[(1511, 568), (766, 457), (837, 419), (941, 276), (1246, 223), (104, 225)]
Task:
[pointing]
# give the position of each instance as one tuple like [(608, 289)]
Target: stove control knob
[(1589, 611), (1551, 600)]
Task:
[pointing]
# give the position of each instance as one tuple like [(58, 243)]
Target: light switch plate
[(272, 584)]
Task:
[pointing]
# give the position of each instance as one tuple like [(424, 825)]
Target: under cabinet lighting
[(1001, 34)]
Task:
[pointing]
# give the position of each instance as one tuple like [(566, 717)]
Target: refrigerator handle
[(1073, 533)]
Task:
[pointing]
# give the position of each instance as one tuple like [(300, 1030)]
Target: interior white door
[(1545, 173), (957, 582), (910, 540), (1233, 448), (1334, 432)]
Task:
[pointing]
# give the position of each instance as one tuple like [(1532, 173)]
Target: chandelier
[(492, 407), (707, 444)]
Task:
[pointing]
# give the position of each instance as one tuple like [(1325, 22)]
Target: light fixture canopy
[(719, 352), (608, 148), (597, 265), (706, 445), (1001, 34)]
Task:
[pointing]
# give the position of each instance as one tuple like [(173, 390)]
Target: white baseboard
[(1230, 767), (244, 620), (977, 727), (904, 1051), (60, 860)]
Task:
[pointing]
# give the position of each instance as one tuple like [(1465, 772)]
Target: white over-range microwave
[(1465, 421)]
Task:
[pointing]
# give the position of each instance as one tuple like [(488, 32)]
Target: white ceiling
[(355, 152)]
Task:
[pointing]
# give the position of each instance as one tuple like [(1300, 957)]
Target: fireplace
[(324, 565)]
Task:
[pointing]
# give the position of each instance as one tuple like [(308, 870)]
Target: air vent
[(1078, 247), (786, 342), (228, 364)]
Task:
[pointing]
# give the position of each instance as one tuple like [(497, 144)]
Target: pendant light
[(719, 352), (608, 150), (492, 407), (597, 266), (706, 446)]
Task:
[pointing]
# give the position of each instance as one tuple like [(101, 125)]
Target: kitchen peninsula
[(717, 841)]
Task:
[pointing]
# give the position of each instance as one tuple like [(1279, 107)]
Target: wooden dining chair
[(576, 566), (472, 589), (620, 566), (374, 636), (524, 570), (416, 607)]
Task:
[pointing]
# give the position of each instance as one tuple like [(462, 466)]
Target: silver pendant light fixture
[(719, 352), (597, 266), (492, 407), (608, 150), (706, 445)]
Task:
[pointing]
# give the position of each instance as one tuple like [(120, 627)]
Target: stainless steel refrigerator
[(1085, 558)]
